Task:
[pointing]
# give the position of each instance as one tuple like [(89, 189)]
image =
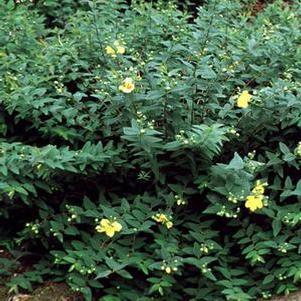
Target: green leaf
[(236, 163), (276, 225)]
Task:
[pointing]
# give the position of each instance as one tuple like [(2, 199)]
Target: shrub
[(148, 155)]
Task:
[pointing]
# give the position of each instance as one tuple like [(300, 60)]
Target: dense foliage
[(149, 155)]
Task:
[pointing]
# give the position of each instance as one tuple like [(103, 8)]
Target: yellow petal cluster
[(127, 86), (255, 200), (243, 99), (118, 49), (259, 188), (110, 51), (109, 227), (163, 219)]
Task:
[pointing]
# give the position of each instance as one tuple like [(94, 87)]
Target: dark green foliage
[(75, 149)]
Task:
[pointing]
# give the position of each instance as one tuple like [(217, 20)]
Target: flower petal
[(105, 222), (110, 231), (117, 226)]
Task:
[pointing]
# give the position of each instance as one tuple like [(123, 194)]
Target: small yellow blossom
[(169, 225), (259, 188), (254, 202), (110, 51), (180, 201), (160, 218), (168, 270), (128, 85), (163, 219), (120, 48), (109, 227), (204, 249), (244, 99)]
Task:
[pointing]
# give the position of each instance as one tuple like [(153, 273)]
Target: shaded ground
[(60, 292), (291, 297), (54, 292)]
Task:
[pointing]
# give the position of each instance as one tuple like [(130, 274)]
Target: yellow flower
[(109, 227), (163, 219), (244, 99), (168, 270), (180, 201), (110, 51), (259, 188), (120, 48), (254, 202), (128, 85), (169, 224), (160, 218)]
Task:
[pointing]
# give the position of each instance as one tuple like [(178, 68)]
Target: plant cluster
[(148, 155)]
